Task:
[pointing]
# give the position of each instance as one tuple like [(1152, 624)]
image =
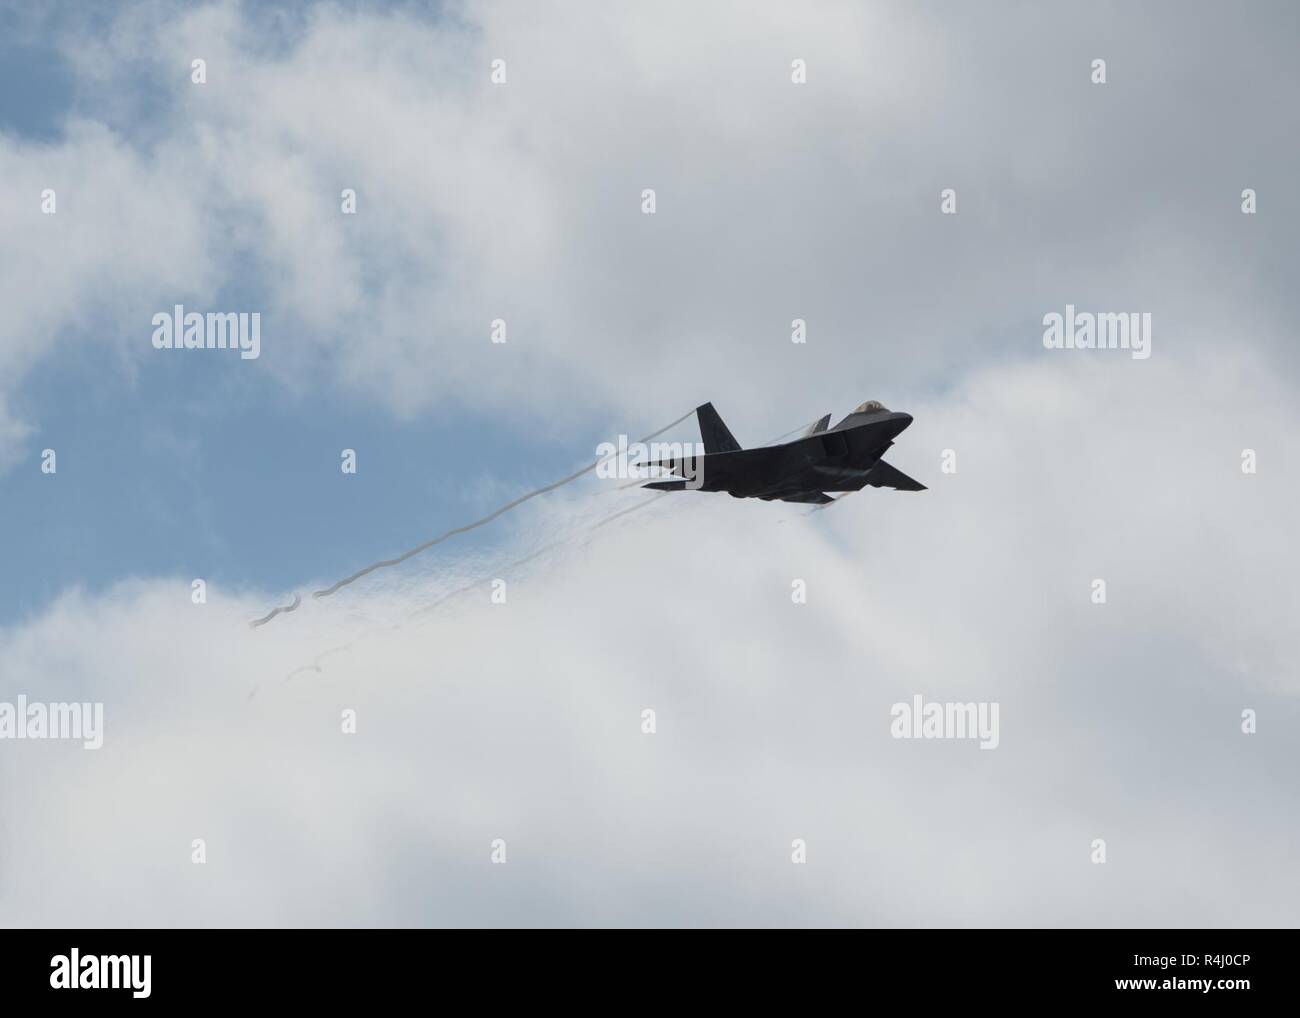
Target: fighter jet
[(843, 458)]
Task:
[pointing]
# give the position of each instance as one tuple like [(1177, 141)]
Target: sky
[(522, 721)]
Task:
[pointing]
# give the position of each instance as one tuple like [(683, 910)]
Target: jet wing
[(882, 475)]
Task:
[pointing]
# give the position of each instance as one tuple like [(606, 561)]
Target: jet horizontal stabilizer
[(672, 466)]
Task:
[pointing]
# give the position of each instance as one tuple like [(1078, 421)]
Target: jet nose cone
[(901, 421)]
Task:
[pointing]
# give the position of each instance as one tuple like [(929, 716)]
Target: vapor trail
[(385, 563), (631, 509), (532, 555), (480, 522), (276, 611), (315, 666)]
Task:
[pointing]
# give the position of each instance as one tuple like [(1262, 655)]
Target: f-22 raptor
[(843, 458)]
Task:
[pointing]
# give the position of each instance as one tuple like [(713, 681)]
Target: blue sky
[(36, 87), (201, 467)]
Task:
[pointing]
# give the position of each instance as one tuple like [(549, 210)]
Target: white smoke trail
[(465, 528)]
